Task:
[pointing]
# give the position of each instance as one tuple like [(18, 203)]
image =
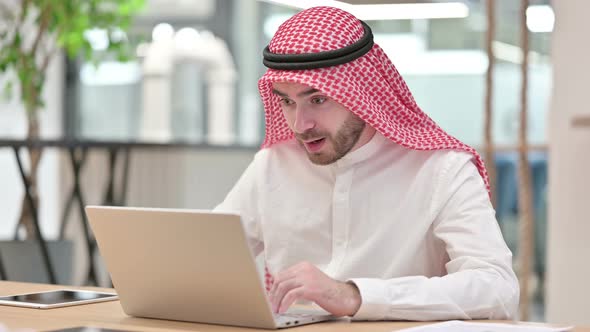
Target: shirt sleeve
[(480, 282), (243, 200)]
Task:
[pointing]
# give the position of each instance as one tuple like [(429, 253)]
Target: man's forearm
[(467, 294)]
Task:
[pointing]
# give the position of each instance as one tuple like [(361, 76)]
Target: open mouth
[(317, 141), (315, 145)]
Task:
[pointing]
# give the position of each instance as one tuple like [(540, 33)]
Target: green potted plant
[(32, 32)]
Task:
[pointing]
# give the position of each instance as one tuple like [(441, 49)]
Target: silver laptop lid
[(188, 265)]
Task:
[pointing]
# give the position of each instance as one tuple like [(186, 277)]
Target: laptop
[(186, 265)]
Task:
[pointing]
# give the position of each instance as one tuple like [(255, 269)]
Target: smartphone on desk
[(56, 298)]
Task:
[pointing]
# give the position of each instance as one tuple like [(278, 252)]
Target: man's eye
[(318, 100), (286, 101)]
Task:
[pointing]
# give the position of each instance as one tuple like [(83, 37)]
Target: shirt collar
[(364, 152)]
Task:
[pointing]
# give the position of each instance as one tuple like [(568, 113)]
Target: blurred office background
[(193, 78)]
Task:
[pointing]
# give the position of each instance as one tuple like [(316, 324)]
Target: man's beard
[(342, 142)]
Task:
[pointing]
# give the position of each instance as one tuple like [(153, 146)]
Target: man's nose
[(303, 120)]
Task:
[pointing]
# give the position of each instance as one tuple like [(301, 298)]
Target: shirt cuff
[(373, 293)]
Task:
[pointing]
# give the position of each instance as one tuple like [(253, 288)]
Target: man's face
[(324, 128)]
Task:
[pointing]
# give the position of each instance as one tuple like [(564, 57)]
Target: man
[(358, 201)]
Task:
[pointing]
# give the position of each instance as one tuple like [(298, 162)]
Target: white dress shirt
[(414, 230)]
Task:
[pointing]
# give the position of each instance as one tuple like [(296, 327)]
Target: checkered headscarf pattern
[(370, 86)]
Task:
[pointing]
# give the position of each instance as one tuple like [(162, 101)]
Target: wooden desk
[(111, 315)]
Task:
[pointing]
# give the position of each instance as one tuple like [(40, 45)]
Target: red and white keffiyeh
[(369, 86)]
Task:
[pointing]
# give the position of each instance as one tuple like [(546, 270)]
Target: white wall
[(568, 275)]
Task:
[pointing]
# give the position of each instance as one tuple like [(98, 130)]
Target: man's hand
[(307, 282)]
